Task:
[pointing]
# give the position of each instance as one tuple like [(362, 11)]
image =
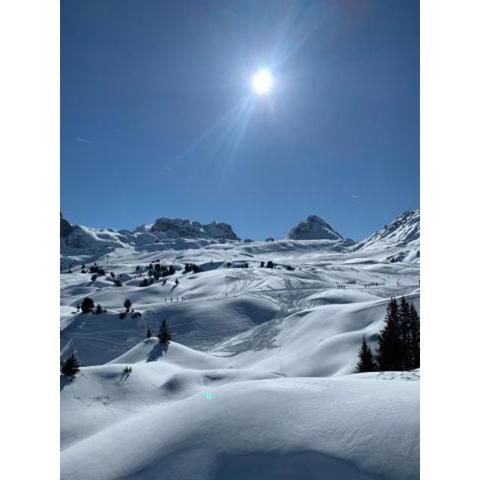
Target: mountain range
[(259, 379), (81, 241)]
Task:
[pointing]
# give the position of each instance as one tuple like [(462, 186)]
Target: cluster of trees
[(127, 304), (399, 342), (146, 282), (157, 271), (96, 269), (88, 306), (269, 264), (164, 336), (191, 267)]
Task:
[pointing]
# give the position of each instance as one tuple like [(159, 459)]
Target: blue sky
[(158, 117)]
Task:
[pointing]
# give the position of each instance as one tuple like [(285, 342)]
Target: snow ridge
[(403, 231)]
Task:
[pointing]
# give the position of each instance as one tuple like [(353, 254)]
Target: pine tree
[(366, 362), (404, 324), (71, 366), (149, 333), (127, 304), (164, 333), (87, 305), (414, 345), (390, 349)]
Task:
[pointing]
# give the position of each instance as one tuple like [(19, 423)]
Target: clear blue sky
[(158, 117)]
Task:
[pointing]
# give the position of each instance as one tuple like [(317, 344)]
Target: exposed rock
[(314, 228)]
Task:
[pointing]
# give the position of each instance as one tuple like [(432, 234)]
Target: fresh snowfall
[(259, 378)]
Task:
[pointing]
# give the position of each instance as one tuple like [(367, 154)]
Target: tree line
[(398, 346)]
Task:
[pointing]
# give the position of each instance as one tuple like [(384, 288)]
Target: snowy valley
[(259, 379)]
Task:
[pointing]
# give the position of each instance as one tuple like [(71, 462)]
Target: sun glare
[(262, 82)]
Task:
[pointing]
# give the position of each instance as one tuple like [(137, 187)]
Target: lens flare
[(262, 82)]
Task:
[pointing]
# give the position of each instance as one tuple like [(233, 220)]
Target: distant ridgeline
[(81, 244)]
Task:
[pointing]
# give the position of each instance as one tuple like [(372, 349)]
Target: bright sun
[(262, 82)]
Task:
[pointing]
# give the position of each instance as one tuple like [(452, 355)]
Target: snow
[(259, 381), (289, 428), (403, 231), (314, 228)]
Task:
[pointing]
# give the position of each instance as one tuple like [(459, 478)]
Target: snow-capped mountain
[(402, 233), (65, 226), (182, 228), (80, 244), (260, 372), (314, 228)]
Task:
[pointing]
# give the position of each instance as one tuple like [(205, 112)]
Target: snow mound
[(151, 350), (360, 429)]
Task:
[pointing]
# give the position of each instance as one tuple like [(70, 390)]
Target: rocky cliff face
[(182, 228), (65, 226), (314, 228)]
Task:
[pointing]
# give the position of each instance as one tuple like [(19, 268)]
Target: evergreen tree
[(127, 304), (390, 348), (71, 366), (99, 309), (365, 363), (149, 333), (87, 305), (405, 331), (164, 336), (171, 270), (414, 345)]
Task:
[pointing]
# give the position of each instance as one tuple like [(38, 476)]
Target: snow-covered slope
[(403, 231), (258, 381), (160, 423), (314, 228)]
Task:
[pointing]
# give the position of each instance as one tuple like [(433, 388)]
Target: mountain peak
[(184, 228), (403, 231), (314, 228)]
